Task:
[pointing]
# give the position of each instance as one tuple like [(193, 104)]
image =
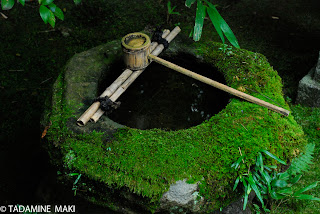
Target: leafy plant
[(267, 183), (171, 11), (222, 28), (75, 186), (47, 9)]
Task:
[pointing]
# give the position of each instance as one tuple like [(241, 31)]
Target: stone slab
[(316, 76), (309, 90)]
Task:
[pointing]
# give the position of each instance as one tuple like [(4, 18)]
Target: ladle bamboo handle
[(219, 85)]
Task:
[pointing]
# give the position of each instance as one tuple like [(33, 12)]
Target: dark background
[(32, 55)]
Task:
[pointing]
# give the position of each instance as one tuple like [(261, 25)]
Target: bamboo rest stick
[(219, 85), (85, 117), (155, 50)]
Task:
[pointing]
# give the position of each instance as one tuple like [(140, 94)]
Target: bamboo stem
[(219, 85), (157, 50), (85, 117)]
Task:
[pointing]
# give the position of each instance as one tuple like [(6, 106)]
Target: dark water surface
[(163, 98)]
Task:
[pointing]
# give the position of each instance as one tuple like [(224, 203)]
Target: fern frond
[(301, 164)]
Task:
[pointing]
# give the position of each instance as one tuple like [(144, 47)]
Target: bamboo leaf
[(307, 197), (267, 178), (260, 161), (273, 156), (189, 3), (245, 201), (236, 183), (255, 188), (224, 26), (236, 164), (311, 186), (77, 1), (200, 14), (215, 21), (169, 7), (7, 4)]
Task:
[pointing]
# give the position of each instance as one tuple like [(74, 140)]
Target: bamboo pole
[(96, 116), (219, 85), (85, 117), (157, 50)]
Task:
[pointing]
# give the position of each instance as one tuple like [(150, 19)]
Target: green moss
[(148, 161)]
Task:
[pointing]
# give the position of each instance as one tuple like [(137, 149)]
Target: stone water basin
[(170, 145)]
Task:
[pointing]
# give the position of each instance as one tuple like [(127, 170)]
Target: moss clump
[(146, 162)]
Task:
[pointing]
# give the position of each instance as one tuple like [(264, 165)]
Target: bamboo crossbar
[(219, 85)]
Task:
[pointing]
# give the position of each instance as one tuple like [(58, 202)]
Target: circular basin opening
[(163, 98)]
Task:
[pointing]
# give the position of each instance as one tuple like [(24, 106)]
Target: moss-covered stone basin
[(131, 169)]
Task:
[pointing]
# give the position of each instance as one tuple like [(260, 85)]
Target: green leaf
[(307, 197), (56, 11), (263, 188), (189, 3), (46, 2), (22, 2), (271, 166), (246, 194), (52, 19), (285, 191), (52, 7), (295, 179), (245, 201), (313, 185), (191, 33), (7, 4), (44, 13), (273, 156), (255, 188), (77, 1), (224, 26), (267, 178), (77, 180), (215, 21), (200, 14), (279, 183), (276, 196), (73, 173), (169, 7), (284, 176), (236, 164), (260, 161), (236, 183)]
